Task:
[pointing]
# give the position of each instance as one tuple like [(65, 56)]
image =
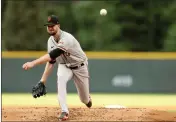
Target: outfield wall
[(110, 72)]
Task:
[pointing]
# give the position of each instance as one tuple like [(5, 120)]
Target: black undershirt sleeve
[(52, 61), (54, 54)]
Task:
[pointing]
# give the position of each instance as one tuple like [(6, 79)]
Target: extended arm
[(46, 58), (47, 71)]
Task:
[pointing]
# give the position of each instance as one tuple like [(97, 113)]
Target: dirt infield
[(85, 114)]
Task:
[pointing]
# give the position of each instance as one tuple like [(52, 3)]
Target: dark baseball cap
[(52, 20)]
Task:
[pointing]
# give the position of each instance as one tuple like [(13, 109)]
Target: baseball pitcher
[(66, 51)]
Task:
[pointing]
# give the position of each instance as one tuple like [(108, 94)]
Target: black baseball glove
[(39, 90)]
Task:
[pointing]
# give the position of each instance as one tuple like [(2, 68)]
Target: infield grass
[(99, 100)]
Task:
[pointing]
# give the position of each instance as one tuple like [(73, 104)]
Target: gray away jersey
[(73, 55)]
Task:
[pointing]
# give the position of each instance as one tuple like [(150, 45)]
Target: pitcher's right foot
[(89, 104), (63, 116)]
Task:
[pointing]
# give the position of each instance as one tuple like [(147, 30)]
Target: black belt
[(76, 67)]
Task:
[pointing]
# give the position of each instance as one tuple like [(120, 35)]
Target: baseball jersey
[(73, 55)]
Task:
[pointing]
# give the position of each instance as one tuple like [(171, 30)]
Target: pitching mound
[(85, 114)]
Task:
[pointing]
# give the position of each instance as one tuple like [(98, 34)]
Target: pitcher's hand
[(28, 65)]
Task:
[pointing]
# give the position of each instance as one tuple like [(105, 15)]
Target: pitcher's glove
[(39, 90)]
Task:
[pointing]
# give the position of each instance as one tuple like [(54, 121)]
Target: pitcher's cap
[(52, 20)]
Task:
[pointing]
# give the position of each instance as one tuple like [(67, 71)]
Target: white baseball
[(103, 12)]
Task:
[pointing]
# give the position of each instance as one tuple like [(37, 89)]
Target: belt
[(76, 67)]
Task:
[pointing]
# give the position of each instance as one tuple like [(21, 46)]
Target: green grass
[(99, 100)]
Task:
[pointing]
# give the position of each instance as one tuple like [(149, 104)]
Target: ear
[(59, 25)]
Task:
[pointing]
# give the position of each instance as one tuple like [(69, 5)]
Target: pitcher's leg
[(81, 79), (63, 76), (82, 86)]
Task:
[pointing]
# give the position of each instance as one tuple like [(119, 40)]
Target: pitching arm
[(46, 58)]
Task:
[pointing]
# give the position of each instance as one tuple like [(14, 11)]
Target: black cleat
[(63, 116), (89, 104)]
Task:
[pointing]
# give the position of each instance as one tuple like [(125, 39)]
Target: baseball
[(103, 12)]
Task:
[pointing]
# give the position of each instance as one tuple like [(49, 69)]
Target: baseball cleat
[(89, 104), (63, 116)]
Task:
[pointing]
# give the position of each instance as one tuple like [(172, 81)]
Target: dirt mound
[(85, 114)]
